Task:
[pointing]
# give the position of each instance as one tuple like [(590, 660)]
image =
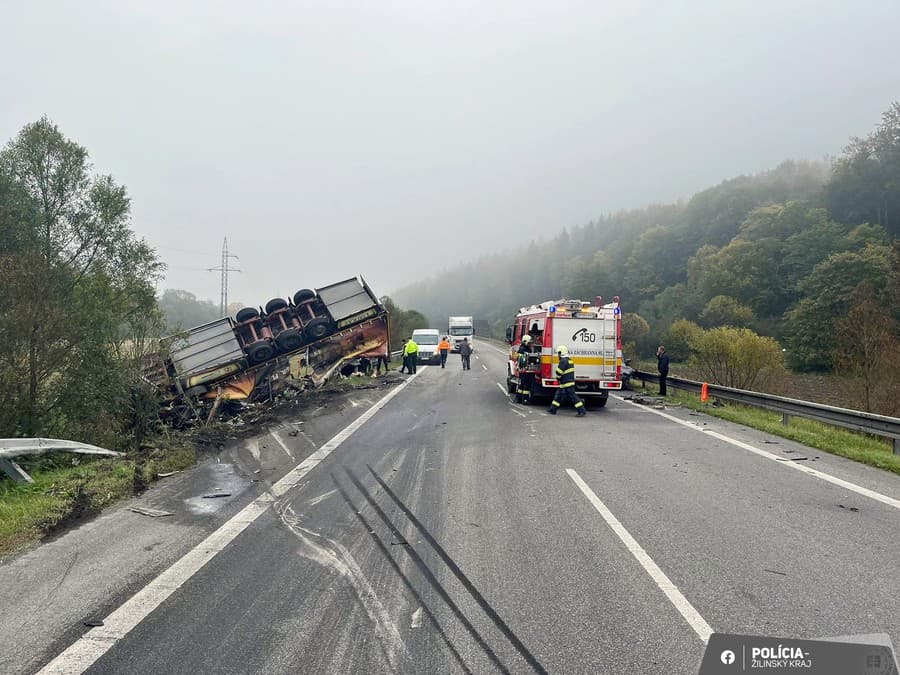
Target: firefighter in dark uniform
[(565, 375), (526, 379)]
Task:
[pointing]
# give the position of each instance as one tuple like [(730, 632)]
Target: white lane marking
[(853, 487), (85, 651), (484, 366), (681, 603), (520, 414), (502, 388), (331, 554), (416, 619), (284, 447)]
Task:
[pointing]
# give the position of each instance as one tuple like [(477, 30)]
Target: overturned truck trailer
[(305, 337)]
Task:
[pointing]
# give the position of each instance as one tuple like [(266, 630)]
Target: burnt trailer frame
[(203, 360)]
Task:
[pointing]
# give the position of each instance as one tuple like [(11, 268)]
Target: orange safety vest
[(444, 345)]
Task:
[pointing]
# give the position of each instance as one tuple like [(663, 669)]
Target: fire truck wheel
[(317, 329), (246, 314), (597, 402), (289, 340), (260, 351), (510, 384), (275, 304), (303, 295)]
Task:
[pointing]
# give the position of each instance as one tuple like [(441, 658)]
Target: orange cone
[(704, 392)]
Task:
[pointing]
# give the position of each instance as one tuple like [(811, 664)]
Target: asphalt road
[(456, 532)]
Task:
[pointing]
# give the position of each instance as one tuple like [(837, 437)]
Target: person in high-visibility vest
[(526, 379), (565, 375), (411, 353), (444, 349)]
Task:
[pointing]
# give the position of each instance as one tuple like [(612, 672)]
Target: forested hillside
[(785, 253)]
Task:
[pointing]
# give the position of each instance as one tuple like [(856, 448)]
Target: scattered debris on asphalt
[(153, 513), (784, 574), (849, 508), (93, 623), (216, 495), (167, 474)]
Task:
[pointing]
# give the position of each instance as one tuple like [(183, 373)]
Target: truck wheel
[(260, 351), (275, 304), (317, 329), (598, 402), (510, 384), (303, 295), (289, 340), (246, 314)]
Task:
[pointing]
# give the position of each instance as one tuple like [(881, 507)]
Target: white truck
[(461, 327)]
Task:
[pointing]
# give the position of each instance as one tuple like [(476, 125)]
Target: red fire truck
[(592, 334)]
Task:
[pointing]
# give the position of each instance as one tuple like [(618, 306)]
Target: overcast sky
[(393, 139)]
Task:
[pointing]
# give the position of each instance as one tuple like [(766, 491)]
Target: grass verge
[(68, 487), (870, 450)]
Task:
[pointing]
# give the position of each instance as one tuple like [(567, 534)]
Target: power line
[(225, 270)]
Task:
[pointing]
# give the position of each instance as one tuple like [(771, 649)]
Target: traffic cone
[(704, 392)]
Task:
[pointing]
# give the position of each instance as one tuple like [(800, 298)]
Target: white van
[(427, 339)]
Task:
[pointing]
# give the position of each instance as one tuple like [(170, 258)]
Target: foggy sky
[(393, 139)]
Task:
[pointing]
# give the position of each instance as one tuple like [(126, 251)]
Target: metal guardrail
[(870, 423), (18, 447)]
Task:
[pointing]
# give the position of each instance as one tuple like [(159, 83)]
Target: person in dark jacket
[(565, 375), (662, 365), (465, 352)]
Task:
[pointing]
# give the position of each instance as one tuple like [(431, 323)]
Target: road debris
[(93, 623), (216, 495), (147, 511), (849, 508), (167, 474)]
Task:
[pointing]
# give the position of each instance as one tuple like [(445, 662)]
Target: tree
[(725, 311), (635, 334), (76, 285), (183, 310), (867, 349), (828, 293), (865, 181)]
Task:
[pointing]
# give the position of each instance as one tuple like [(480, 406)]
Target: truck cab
[(461, 327)]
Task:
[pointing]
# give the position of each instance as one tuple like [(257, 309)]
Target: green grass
[(869, 450), (68, 487)]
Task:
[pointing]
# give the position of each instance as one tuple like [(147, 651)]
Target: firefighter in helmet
[(526, 379), (565, 375)]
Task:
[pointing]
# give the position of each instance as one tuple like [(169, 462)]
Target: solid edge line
[(87, 649), (681, 603), (853, 487)]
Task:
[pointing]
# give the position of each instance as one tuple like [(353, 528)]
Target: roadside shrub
[(736, 357), (679, 339)]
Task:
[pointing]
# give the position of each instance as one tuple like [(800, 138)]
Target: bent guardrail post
[(870, 423), (19, 447), (14, 471)]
